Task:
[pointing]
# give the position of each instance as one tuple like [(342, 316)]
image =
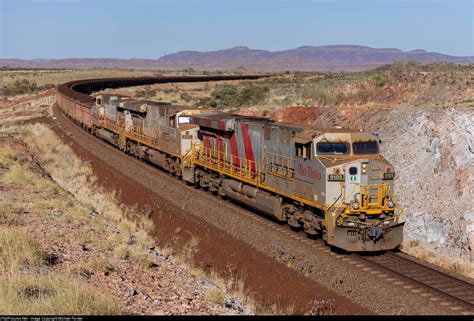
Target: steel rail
[(440, 282)]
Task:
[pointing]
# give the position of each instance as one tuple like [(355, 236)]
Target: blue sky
[(150, 29)]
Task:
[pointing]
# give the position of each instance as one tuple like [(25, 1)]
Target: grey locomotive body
[(331, 182)]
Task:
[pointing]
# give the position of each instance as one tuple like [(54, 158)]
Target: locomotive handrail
[(342, 202), (290, 170)]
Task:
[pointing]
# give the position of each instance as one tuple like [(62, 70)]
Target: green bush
[(381, 80), (186, 97), (228, 96), (252, 95)]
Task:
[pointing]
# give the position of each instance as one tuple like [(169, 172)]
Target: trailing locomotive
[(328, 182)]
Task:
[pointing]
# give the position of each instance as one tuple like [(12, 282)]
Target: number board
[(336, 177), (390, 175)]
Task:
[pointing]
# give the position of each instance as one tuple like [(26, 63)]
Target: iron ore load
[(332, 183)]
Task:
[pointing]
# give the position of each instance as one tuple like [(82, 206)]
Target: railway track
[(447, 286), (459, 292)]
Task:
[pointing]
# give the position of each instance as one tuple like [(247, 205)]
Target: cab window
[(173, 121), (184, 120), (370, 147), (328, 148), (303, 150)]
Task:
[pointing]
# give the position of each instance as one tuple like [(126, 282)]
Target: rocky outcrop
[(432, 150)]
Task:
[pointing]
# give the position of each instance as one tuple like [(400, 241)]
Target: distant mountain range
[(309, 58)]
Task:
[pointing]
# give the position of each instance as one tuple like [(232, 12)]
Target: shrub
[(227, 96), (381, 80), (215, 295), (223, 96), (9, 211), (122, 252), (142, 258), (252, 95), (186, 97), (18, 250), (364, 94)]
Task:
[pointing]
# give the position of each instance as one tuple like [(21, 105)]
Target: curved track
[(443, 284)]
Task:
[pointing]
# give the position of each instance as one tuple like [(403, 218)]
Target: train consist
[(328, 182)]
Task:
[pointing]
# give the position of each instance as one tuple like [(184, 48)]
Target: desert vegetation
[(404, 83), (24, 86), (61, 234), (29, 283)]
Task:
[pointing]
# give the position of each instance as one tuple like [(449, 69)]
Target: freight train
[(332, 183)]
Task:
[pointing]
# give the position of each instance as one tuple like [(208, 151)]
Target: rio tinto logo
[(308, 172)]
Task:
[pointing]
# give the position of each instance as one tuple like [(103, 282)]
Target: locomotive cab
[(362, 211)]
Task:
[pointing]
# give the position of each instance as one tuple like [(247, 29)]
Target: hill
[(306, 58)]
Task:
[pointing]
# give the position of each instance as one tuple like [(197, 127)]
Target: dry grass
[(71, 174), (45, 76), (9, 211), (18, 250), (216, 295), (25, 288), (7, 157), (18, 175), (122, 252), (43, 295), (96, 264), (130, 240), (143, 258)]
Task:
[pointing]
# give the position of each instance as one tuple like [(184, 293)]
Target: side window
[(172, 121), (267, 132), (299, 150), (303, 150)]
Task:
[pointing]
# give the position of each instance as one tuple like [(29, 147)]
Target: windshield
[(184, 120), (332, 148), (365, 147)]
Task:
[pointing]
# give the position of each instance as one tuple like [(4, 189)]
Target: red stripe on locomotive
[(234, 150), (248, 144)]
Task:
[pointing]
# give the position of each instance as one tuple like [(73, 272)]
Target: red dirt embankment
[(267, 280)]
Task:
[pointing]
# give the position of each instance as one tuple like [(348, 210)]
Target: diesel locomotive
[(332, 183)]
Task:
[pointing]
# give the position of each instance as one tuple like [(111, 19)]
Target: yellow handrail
[(340, 204)]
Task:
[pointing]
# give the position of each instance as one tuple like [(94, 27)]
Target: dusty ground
[(84, 236)]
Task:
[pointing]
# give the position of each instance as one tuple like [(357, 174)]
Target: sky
[(32, 29)]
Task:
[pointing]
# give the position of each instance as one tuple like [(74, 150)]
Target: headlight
[(355, 205), (390, 204), (364, 168)]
